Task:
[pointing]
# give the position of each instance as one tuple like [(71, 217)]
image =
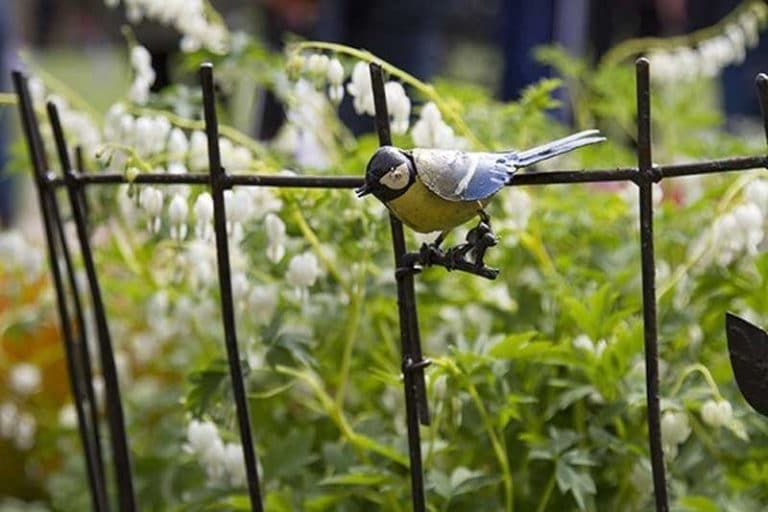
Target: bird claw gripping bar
[(479, 239)]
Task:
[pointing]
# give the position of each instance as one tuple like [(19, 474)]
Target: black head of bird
[(389, 174)]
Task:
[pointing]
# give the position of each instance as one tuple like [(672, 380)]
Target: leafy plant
[(537, 388)]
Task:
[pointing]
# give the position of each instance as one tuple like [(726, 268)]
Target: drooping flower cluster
[(155, 136), (320, 69), (739, 232), (143, 75), (430, 131), (315, 70), (710, 56), (188, 17), (361, 90), (305, 136), (148, 136), (223, 462), (399, 106), (398, 103)]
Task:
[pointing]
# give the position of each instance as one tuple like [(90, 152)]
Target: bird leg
[(478, 240), (481, 238)]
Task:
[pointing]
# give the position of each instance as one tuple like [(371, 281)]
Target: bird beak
[(363, 191)]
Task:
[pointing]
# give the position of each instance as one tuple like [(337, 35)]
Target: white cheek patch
[(397, 178)]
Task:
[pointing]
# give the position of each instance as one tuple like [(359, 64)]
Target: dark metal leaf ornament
[(748, 348)]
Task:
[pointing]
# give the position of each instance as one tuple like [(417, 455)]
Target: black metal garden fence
[(748, 344)]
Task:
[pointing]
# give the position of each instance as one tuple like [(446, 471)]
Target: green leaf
[(698, 504), (206, 386), (567, 398), (465, 481), (363, 475), (440, 483), (738, 429), (578, 483), (290, 454), (231, 503), (521, 347)]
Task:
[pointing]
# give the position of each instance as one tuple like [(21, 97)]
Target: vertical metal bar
[(114, 405), (406, 301), (218, 184), (646, 178), (81, 344), (80, 163), (85, 350), (761, 82), (412, 355), (49, 210)]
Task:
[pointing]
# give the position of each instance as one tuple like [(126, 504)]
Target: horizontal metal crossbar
[(558, 177)]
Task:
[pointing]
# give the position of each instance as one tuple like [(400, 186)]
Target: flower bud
[(335, 72), (131, 173), (317, 64), (716, 413), (302, 270), (25, 379), (178, 210), (675, 428)]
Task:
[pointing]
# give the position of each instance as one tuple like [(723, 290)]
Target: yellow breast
[(424, 211)]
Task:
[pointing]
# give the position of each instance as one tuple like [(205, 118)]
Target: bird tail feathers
[(557, 147)]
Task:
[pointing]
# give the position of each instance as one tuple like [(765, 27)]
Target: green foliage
[(537, 389)]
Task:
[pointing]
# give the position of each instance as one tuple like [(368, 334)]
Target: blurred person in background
[(582, 27), (7, 45)]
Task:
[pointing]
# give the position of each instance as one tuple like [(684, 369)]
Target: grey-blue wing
[(463, 176)]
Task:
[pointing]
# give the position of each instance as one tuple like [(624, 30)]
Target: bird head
[(389, 174)]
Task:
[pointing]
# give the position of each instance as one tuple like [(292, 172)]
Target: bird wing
[(462, 176)]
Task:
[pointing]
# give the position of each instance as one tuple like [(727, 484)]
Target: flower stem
[(499, 448), (135, 157), (311, 237), (497, 441), (351, 335), (547, 493), (337, 415), (703, 370)]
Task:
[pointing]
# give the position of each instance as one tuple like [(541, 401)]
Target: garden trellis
[(747, 343)]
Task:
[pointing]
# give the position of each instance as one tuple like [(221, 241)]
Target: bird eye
[(397, 178)]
